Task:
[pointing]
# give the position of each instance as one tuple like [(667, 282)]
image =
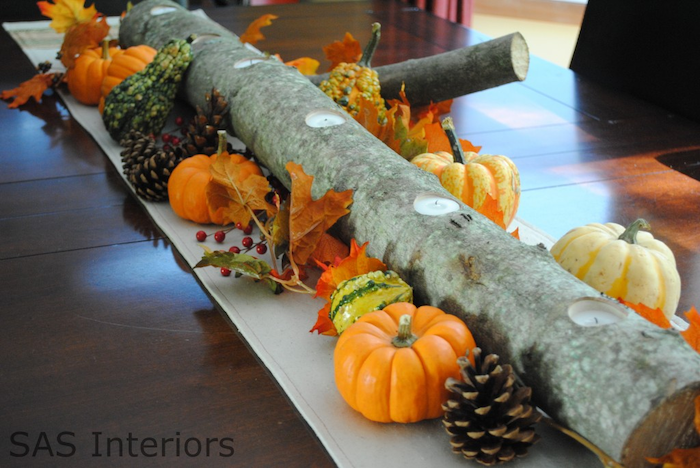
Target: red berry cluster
[(247, 242)]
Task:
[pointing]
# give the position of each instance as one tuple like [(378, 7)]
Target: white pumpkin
[(623, 263)]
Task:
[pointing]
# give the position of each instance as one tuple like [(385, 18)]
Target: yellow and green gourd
[(348, 82), (365, 293)]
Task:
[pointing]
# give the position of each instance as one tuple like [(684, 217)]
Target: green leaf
[(240, 263)]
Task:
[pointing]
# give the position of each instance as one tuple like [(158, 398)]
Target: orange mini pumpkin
[(391, 365), (475, 178), (86, 76), (130, 61), (188, 182)]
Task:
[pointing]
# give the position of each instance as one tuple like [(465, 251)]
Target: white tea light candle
[(430, 204), (594, 312), (324, 118)]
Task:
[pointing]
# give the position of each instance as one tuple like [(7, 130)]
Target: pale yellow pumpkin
[(623, 263)]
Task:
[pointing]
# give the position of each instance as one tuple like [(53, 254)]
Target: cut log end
[(668, 425), (521, 56)]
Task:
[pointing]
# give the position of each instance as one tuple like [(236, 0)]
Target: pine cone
[(490, 418), (201, 133), (147, 167)]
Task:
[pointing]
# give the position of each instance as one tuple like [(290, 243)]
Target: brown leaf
[(81, 36), (234, 194), (348, 51), (329, 249), (33, 87), (252, 35), (309, 219)]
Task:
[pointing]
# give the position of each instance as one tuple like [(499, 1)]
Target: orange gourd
[(480, 181), (391, 365), (130, 61), (85, 78), (188, 182)]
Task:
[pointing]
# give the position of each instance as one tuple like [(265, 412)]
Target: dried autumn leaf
[(33, 87), (252, 34), (66, 13), (491, 210), (280, 226), (329, 248), (305, 65), (309, 219), (82, 36), (324, 325), (234, 197), (655, 316), (692, 336), (683, 458), (438, 141), (347, 51), (435, 110)]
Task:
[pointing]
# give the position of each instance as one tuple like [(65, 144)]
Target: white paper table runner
[(277, 330)]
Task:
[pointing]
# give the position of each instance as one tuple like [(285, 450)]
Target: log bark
[(627, 387), (431, 79)]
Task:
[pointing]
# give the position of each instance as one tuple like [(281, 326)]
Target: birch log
[(628, 387)]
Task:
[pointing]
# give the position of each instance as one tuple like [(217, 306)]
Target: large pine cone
[(489, 418), (147, 167)]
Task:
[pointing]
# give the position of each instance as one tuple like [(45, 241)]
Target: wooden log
[(628, 387), (431, 79), (455, 73)]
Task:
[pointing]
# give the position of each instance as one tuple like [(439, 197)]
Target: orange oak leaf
[(33, 87), (682, 458), (438, 141), (655, 316), (692, 336), (82, 36), (355, 264), (348, 51), (491, 210), (305, 65), (66, 13), (252, 35), (328, 249), (435, 110), (324, 325), (233, 193), (309, 219)]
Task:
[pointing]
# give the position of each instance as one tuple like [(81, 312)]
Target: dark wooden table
[(106, 330)]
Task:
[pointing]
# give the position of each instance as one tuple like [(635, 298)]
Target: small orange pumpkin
[(188, 182), (85, 78), (130, 61), (391, 365), (475, 178)]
